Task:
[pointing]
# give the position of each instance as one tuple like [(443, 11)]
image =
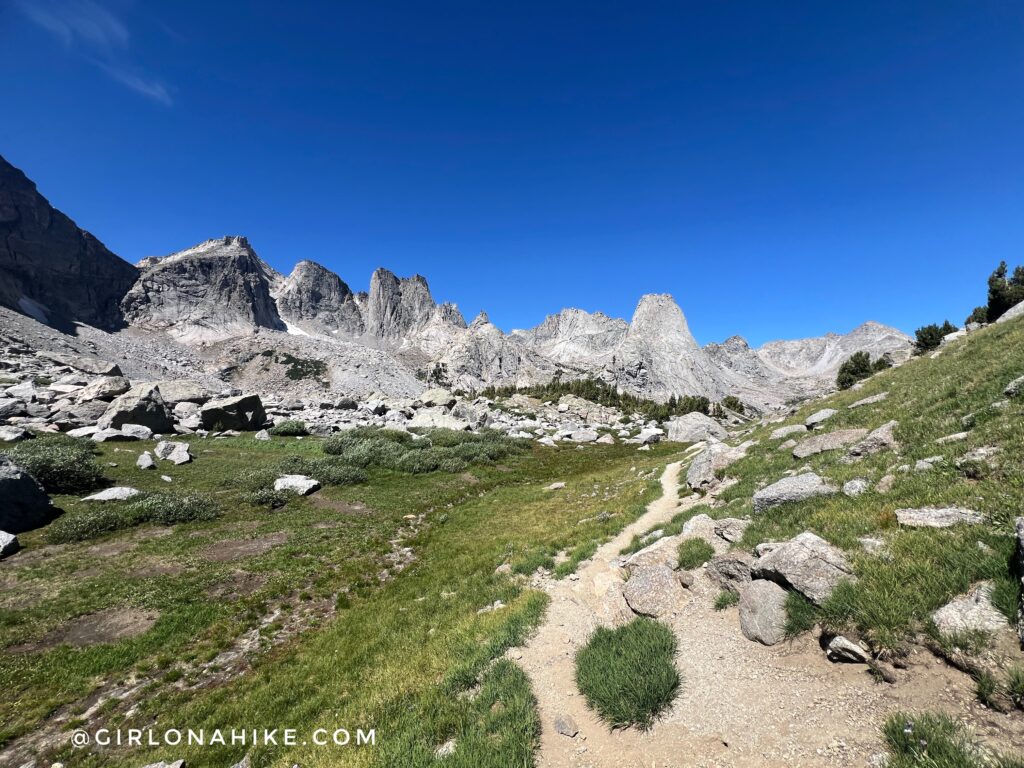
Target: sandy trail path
[(741, 704)]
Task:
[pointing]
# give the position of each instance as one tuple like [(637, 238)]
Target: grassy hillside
[(412, 656)]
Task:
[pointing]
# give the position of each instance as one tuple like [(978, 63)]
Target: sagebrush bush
[(60, 463), (161, 508), (628, 675), (436, 450), (290, 428), (268, 497), (172, 508)]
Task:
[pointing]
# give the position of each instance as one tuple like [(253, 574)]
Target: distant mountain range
[(220, 291)]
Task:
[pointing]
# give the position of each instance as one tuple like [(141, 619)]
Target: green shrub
[(693, 553), (628, 675), (290, 428), (60, 463), (436, 450), (930, 336), (801, 614), (726, 599), (255, 479)]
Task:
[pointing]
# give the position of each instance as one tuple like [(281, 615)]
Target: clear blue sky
[(783, 169)]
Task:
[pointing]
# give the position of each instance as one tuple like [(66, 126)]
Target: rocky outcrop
[(693, 428), (214, 291), (49, 268), (314, 299)]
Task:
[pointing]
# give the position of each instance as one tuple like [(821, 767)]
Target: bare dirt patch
[(235, 549), (106, 626), (240, 584), (334, 505)]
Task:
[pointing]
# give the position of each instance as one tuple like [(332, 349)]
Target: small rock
[(954, 438), (855, 487), (299, 484), (555, 487), (843, 650), (566, 726), (792, 429), (932, 517), (146, 461), (869, 400), (117, 493), (446, 749), (885, 484), (261, 435), (1015, 387), (654, 591), (816, 419), (173, 451), (137, 431)]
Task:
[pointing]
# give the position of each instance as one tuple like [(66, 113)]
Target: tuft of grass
[(1015, 685), (693, 553), (628, 675), (726, 599), (931, 740), (801, 614)]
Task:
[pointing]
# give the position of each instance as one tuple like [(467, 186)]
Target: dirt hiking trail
[(741, 703)]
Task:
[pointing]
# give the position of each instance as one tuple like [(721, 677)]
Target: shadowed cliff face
[(51, 269)]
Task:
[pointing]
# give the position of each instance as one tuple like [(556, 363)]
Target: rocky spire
[(397, 305), (313, 295)]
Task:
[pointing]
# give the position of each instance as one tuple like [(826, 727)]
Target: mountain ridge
[(220, 290)]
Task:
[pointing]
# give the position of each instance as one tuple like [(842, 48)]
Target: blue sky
[(783, 169)]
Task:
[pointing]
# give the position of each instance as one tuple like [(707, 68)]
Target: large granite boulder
[(436, 418), (791, 489), (104, 388), (829, 441), (142, 404), (23, 503), (175, 391), (693, 428), (763, 612), (243, 412), (806, 563), (654, 591)]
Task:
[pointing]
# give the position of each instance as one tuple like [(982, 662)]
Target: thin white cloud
[(154, 89), (92, 30)]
